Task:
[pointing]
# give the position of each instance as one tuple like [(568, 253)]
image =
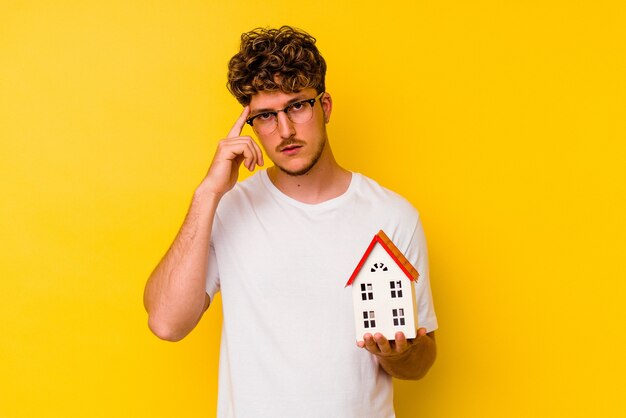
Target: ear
[(327, 106)]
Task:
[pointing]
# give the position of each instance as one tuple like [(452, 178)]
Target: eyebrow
[(296, 99)]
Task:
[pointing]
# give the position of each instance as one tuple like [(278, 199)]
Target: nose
[(285, 126)]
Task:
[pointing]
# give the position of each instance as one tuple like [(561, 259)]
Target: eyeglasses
[(298, 112)]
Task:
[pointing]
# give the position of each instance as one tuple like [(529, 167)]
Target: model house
[(382, 291)]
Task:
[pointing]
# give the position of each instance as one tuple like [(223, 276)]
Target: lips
[(291, 150), (290, 147)]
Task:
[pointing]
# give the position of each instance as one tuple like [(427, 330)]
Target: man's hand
[(402, 358), (175, 295), (231, 152), (378, 345)]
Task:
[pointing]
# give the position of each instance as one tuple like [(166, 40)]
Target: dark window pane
[(363, 296), (370, 296), (399, 293), (366, 324), (395, 312), (373, 323), (362, 286), (401, 321), (392, 285), (395, 321)]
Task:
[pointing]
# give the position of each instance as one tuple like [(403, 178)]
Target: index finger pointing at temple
[(235, 131)]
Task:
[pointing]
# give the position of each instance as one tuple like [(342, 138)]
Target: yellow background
[(503, 122)]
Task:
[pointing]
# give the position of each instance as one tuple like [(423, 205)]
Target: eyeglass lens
[(297, 113)]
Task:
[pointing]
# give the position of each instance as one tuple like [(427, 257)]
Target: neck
[(326, 180)]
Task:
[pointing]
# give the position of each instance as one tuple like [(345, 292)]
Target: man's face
[(295, 148)]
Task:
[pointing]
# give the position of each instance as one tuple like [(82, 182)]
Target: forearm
[(175, 296), (414, 363)]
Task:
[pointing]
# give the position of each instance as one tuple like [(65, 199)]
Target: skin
[(403, 358), (319, 177), (304, 169)]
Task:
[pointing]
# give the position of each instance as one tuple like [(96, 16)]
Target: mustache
[(289, 143)]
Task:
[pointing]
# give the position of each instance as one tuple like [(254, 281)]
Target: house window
[(368, 319), (367, 292), (398, 317), (396, 289), (379, 266)]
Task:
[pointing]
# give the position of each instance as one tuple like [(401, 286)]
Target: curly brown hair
[(284, 59)]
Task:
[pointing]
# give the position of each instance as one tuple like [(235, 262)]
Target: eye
[(297, 106), (265, 116)]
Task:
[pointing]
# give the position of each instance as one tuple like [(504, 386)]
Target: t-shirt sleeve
[(212, 274), (418, 254)]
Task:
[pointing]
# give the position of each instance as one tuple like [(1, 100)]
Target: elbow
[(165, 331), (410, 374), (174, 326), (420, 374)]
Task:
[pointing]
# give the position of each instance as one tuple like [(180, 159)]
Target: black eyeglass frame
[(311, 102)]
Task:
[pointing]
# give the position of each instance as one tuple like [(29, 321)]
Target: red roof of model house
[(393, 251)]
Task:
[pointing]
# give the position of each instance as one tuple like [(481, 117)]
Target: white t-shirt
[(287, 347)]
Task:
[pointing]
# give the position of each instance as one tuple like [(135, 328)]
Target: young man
[(280, 247)]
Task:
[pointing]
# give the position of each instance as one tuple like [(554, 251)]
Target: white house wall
[(382, 304)]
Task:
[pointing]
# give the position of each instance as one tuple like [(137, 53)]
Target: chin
[(295, 171), (300, 169), (304, 166)]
